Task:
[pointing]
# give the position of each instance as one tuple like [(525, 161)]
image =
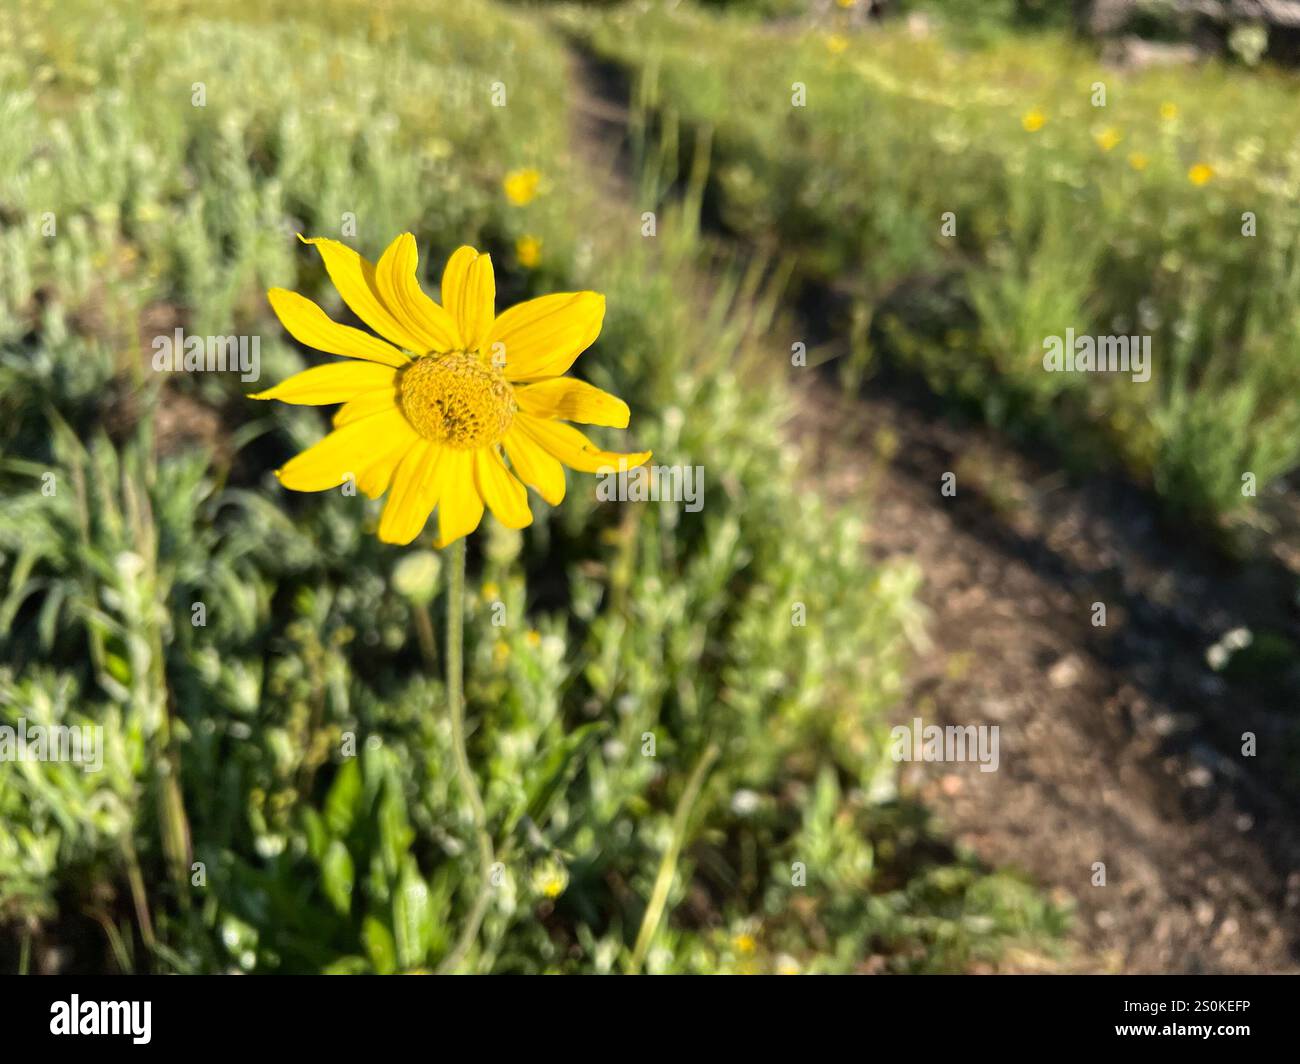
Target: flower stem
[(456, 707), (668, 865)]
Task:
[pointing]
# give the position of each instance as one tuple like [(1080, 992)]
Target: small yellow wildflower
[(533, 638), (1107, 139), (744, 943), (550, 878), (1168, 111), (1137, 160), (521, 186), (836, 43), (500, 652), (528, 250), (846, 4), (1033, 120), (491, 592), (1200, 174)]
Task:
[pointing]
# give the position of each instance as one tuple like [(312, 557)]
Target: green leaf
[(317, 835), (395, 833), (343, 803), (118, 667), (412, 917), (338, 876), (379, 945)]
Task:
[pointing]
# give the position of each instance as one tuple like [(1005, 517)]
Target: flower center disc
[(456, 399)]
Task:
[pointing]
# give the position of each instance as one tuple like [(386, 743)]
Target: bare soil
[(1118, 744)]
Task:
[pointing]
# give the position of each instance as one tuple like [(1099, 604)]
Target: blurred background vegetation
[(233, 827), (1124, 218)]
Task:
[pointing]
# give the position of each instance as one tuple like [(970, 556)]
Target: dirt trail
[(1108, 735), (1117, 744)]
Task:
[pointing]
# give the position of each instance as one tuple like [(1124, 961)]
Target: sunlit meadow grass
[(275, 794), (1126, 218)]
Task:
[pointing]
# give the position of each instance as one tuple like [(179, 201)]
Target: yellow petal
[(414, 494), (373, 480), (469, 292), (346, 451), (460, 508), (354, 277), (535, 467), (573, 448), (500, 490), (365, 404), (542, 337), (335, 383), (310, 325), (397, 275), (572, 400)]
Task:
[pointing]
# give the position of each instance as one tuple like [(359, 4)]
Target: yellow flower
[(521, 186), (1033, 120), (1168, 111), (429, 410), (1107, 139), (533, 637), (744, 943), (836, 43), (1200, 174), (550, 878), (1137, 160), (491, 592), (528, 250), (846, 3)]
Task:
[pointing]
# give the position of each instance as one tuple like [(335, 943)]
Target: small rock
[(998, 708), (1165, 724), (1066, 672)]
